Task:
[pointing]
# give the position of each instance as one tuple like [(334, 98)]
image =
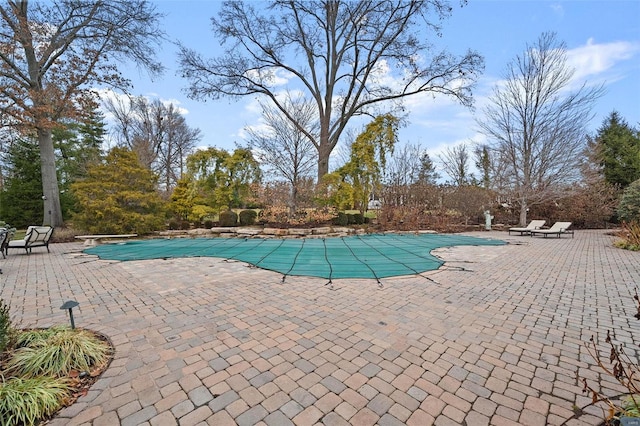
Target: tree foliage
[(629, 208), (21, 197), (618, 148), (216, 180), (118, 196), (367, 161), (333, 191), (51, 53), (536, 125), (347, 57), (77, 145), (157, 132)]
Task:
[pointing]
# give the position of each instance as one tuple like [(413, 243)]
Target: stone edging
[(258, 232)]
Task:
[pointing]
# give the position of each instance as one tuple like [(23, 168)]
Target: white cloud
[(123, 98), (557, 9), (599, 60)]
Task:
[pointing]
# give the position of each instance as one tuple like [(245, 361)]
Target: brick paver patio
[(494, 338)]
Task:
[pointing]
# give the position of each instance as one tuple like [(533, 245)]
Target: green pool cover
[(366, 256)]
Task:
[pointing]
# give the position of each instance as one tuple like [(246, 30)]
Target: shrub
[(228, 218), (274, 214), (56, 351), (621, 365), (358, 218), (174, 225), (248, 217), (7, 333), (118, 196), (630, 235), (341, 219), (185, 224), (629, 207), (350, 219), (28, 401), (208, 224)]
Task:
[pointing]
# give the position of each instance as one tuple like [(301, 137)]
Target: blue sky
[(602, 37)]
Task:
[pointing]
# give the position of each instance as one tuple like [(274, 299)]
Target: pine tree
[(619, 147), (21, 199)]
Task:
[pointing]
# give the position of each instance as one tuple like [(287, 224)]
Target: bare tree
[(50, 54), (455, 163), (282, 147), (157, 132), (536, 125), (340, 53)]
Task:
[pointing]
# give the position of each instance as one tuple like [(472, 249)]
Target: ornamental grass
[(56, 351), (27, 401)]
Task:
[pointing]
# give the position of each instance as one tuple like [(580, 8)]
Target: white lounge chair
[(36, 236), (533, 225), (558, 229)]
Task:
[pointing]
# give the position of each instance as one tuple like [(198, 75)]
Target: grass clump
[(26, 401), (630, 236), (56, 352), (41, 369)]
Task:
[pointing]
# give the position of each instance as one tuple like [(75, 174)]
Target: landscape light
[(70, 304)]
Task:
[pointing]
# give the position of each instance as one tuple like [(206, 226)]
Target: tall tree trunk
[(324, 152), (523, 212), (50, 191)]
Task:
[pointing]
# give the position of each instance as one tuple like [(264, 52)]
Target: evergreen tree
[(21, 199), (618, 145), (428, 174), (118, 196), (78, 145), (629, 208)]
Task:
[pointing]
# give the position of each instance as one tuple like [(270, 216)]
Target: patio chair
[(558, 229), (36, 236), (533, 225)]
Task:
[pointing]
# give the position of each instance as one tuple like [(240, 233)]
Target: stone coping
[(260, 232)]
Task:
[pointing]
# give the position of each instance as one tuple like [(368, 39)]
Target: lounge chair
[(558, 229), (36, 236), (533, 225)]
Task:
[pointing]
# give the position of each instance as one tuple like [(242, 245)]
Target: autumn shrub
[(321, 215), (274, 214), (247, 217), (174, 225), (228, 218), (629, 236)]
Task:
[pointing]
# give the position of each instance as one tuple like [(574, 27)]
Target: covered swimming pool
[(365, 256)]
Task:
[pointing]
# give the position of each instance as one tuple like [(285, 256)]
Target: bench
[(93, 240)]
